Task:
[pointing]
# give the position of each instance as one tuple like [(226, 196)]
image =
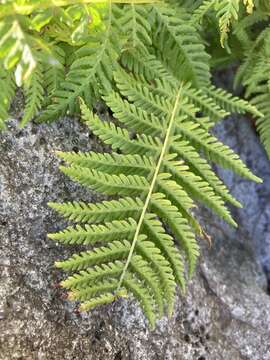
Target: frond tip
[(142, 242)]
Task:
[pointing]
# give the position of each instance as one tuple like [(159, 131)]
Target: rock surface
[(225, 314)]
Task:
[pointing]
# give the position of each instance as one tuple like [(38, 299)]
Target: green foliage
[(143, 243), (150, 62), (39, 36)]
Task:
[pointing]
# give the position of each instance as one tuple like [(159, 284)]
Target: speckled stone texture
[(225, 313)]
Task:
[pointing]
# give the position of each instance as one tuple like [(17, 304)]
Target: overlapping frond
[(54, 74), (136, 26), (34, 94), (255, 75), (143, 242), (179, 42), (90, 71)]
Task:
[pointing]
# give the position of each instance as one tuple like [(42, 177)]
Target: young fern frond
[(144, 241)]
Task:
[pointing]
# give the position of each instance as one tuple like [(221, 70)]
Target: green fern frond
[(201, 11), (255, 76), (145, 239), (34, 94), (93, 65), (230, 103), (180, 45), (227, 11), (100, 212), (134, 23), (90, 234), (54, 74), (112, 163), (262, 101)]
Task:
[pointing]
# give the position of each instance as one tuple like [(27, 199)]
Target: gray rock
[(224, 315)]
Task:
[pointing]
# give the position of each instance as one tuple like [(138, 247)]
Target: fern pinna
[(141, 240)]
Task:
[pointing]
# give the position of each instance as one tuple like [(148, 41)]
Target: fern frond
[(115, 250), (109, 184), (199, 189), (262, 101), (90, 234), (54, 74), (201, 168), (254, 74), (100, 212), (181, 46), (135, 25), (201, 11), (146, 237), (34, 94), (111, 163), (214, 150), (230, 103), (93, 64), (179, 226), (227, 11)]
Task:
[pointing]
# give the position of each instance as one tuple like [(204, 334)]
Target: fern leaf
[(34, 93), (99, 212), (54, 74), (95, 274), (230, 103), (201, 11), (90, 234), (161, 266), (158, 175), (227, 11), (144, 298), (177, 39), (103, 299), (116, 250), (154, 229), (214, 150), (107, 183), (134, 117), (119, 137), (200, 167), (93, 64), (111, 163), (179, 226), (135, 25)]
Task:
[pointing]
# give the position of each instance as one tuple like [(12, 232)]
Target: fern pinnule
[(230, 103), (100, 212)]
